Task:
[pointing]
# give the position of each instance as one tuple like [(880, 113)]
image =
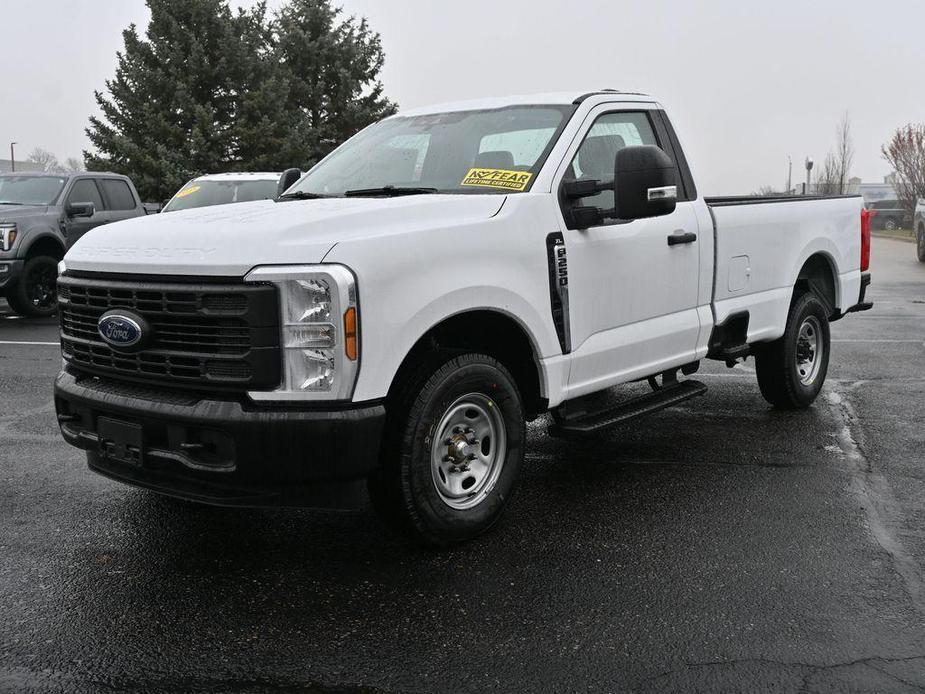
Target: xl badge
[(121, 329)]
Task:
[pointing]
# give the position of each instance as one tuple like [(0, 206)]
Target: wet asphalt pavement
[(717, 546)]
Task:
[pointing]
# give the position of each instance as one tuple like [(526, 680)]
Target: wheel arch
[(44, 244), (818, 274), (499, 335)]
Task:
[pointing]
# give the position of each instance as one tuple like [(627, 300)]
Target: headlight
[(7, 236), (318, 323)]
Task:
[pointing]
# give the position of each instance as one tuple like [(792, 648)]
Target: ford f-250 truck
[(392, 321)]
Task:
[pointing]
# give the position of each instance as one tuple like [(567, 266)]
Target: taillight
[(866, 216)]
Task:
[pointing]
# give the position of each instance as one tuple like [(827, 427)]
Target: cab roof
[(545, 99)]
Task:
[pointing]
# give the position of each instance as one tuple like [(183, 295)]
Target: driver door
[(633, 296), (84, 190)]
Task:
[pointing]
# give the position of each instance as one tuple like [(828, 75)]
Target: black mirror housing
[(287, 179), (80, 209), (645, 183)]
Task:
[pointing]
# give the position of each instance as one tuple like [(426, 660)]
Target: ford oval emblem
[(120, 329)]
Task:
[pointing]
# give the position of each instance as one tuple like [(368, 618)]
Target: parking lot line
[(879, 341), (15, 342)]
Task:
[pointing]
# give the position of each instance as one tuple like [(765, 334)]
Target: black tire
[(784, 373), (920, 243), (35, 294), (405, 489)]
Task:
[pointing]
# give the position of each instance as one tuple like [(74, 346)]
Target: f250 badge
[(558, 289), (120, 329)]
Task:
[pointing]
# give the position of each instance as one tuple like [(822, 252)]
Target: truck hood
[(230, 240), (10, 213)]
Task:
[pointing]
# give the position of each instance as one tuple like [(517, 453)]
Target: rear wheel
[(891, 224), (792, 369), (35, 293), (920, 243), (453, 449)]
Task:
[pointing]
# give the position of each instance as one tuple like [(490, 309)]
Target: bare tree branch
[(835, 171), (45, 159), (73, 165), (905, 152)]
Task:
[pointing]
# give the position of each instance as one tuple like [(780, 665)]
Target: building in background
[(20, 166)]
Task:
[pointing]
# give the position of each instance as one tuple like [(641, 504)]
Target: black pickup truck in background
[(891, 215), (41, 216)]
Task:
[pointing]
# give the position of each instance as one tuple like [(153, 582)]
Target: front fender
[(485, 298), (409, 283), (37, 233)]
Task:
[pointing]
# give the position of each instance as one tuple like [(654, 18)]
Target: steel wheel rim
[(468, 452), (40, 286), (809, 350)]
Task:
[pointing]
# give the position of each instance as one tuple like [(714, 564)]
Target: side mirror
[(645, 183), (80, 209), (580, 216), (286, 181)]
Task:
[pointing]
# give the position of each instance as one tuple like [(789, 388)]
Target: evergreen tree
[(208, 90), (332, 66), (172, 109)]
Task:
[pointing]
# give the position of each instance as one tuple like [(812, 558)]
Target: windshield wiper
[(388, 191), (302, 195)]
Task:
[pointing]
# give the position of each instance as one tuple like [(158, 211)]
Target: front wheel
[(35, 293), (453, 449), (920, 243), (792, 369)]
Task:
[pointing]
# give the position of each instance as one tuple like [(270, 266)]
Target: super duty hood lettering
[(229, 239)]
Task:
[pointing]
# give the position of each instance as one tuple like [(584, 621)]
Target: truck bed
[(726, 201), (761, 245)]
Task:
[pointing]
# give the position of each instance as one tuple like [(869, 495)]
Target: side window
[(118, 194), (85, 190), (609, 134)]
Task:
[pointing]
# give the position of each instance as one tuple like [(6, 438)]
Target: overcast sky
[(747, 84)]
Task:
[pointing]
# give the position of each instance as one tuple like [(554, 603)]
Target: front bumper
[(9, 271), (223, 452)]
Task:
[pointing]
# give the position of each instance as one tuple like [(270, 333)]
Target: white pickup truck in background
[(393, 320)]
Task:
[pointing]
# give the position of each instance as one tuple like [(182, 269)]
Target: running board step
[(640, 406)]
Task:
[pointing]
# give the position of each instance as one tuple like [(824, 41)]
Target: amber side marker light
[(350, 332)]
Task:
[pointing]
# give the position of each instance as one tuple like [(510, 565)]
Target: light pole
[(12, 157)]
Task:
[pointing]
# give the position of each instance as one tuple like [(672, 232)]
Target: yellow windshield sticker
[(188, 191), (497, 178)]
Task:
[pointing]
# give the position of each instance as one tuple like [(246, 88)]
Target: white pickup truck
[(392, 321)]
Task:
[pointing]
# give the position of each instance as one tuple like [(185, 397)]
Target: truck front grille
[(199, 335)]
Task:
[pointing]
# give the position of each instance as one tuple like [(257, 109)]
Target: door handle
[(675, 239)]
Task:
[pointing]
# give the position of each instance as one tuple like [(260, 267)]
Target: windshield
[(498, 150), (30, 190), (204, 193)]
